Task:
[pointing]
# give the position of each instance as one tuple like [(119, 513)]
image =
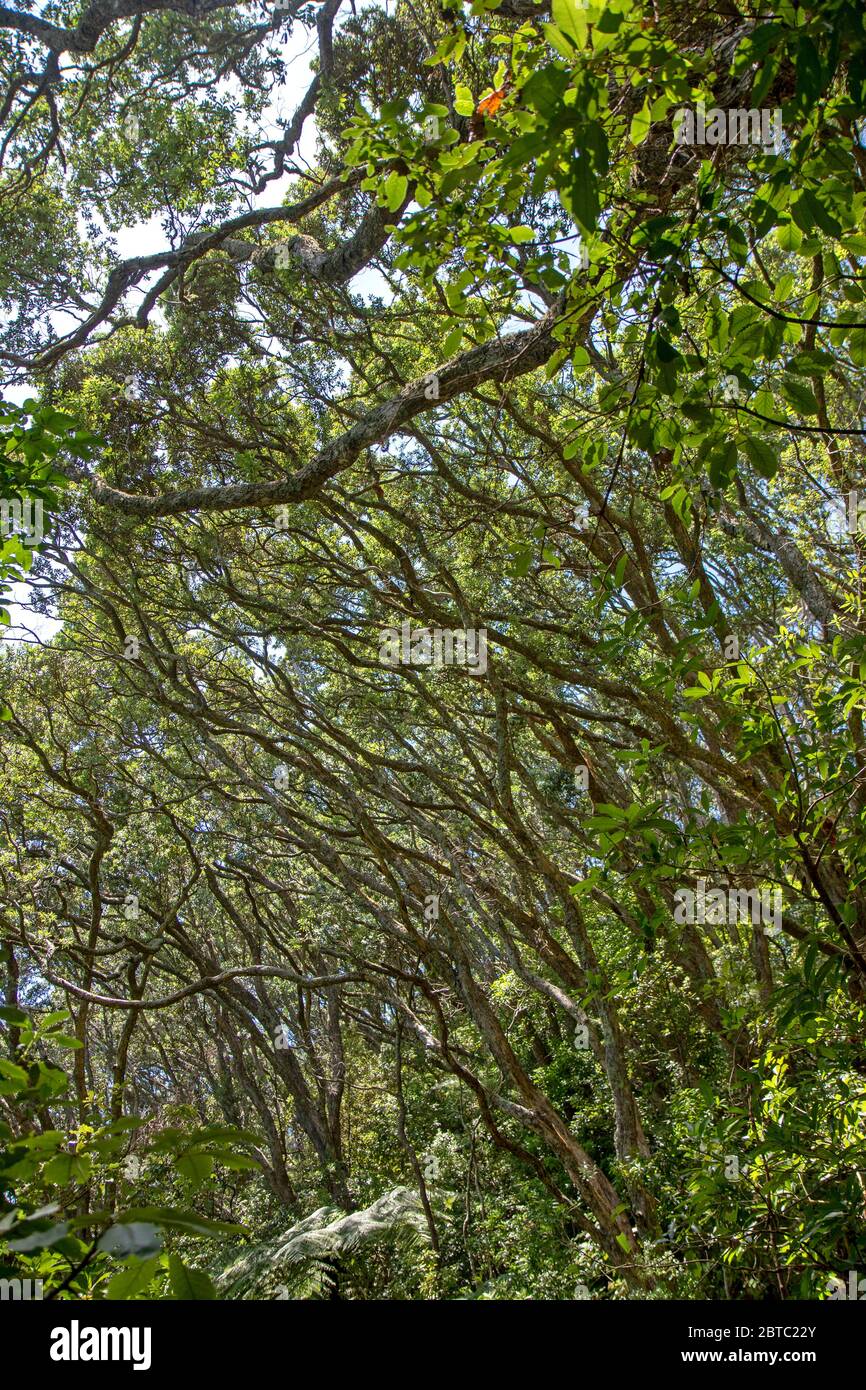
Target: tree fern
[(306, 1260)]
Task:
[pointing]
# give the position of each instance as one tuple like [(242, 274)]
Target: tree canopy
[(432, 762)]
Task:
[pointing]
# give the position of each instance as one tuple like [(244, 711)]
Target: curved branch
[(127, 273), (210, 982), (101, 14), (502, 360)]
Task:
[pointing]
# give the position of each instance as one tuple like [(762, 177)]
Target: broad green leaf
[(569, 16), (395, 188), (196, 1167), (139, 1238), (189, 1284), (133, 1279)]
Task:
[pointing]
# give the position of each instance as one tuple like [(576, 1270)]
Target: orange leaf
[(490, 105)]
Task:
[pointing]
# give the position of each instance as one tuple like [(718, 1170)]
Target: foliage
[(536, 976), (49, 1231), (312, 1255)]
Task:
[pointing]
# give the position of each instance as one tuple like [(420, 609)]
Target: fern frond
[(328, 1234)]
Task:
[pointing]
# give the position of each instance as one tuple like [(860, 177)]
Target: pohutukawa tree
[(433, 764)]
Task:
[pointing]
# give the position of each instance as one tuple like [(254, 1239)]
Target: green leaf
[(196, 1167), (545, 88), (187, 1221), (581, 192), (237, 1163), (40, 1240), (640, 124), (665, 350), (68, 1167), (808, 212), (189, 1284), (132, 1280), (762, 456), (13, 1072), (14, 1016), (394, 188), (810, 74), (799, 394), (570, 19), (452, 342), (789, 236), (139, 1238), (522, 563), (464, 102), (723, 464)]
